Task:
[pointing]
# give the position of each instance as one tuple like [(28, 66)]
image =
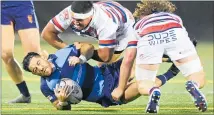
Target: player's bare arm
[(125, 67), (103, 54), (86, 51), (50, 34)]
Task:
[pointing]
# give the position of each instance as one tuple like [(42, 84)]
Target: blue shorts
[(22, 16), (111, 74)]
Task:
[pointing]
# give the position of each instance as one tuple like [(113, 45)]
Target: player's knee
[(191, 67), (145, 79), (7, 56), (193, 70)]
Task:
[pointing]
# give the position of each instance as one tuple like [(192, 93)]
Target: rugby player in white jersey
[(162, 32), (109, 23)]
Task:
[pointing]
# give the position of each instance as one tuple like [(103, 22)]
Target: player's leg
[(192, 69), (30, 40), (162, 79), (28, 30), (172, 71), (188, 62), (131, 93), (11, 64), (147, 64)]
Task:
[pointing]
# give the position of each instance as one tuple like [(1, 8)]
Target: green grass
[(174, 99)]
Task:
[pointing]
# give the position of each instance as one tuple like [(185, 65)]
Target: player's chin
[(47, 73), (79, 27)]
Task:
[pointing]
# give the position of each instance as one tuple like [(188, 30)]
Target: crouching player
[(162, 32), (96, 83)]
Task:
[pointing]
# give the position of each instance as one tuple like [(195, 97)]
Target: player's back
[(154, 23), (113, 11)]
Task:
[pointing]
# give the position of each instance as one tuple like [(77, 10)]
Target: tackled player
[(97, 83)]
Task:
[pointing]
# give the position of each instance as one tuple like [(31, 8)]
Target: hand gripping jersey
[(111, 25)]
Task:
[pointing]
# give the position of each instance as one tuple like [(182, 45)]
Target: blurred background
[(198, 16)]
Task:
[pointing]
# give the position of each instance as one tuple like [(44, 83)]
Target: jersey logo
[(66, 15), (30, 18)]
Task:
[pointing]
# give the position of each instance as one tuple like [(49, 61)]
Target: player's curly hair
[(27, 59), (147, 7)]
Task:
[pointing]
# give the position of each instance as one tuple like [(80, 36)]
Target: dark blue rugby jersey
[(89, 78)]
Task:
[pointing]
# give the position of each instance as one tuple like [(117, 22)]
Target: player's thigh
[(148, 54), (180, 48), (27, 27), (30, 39), (8, 38), (145, 77), (183, 53), (191, 67), (148, 58)]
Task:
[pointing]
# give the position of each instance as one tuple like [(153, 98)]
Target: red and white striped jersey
[(108, 25), (157, 22)]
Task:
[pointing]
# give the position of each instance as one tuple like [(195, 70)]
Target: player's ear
[(44, 54)]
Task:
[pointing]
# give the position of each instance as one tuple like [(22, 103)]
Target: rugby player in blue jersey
[(18, 16), (97, 83)]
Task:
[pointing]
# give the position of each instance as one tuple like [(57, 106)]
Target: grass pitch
[(174, 99)]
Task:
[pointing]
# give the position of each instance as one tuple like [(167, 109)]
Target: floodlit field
[(174, 99)]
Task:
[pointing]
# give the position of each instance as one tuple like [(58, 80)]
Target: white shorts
[(173, 42)]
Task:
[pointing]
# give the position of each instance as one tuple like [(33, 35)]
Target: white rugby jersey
[(157, 22), (108, 25)]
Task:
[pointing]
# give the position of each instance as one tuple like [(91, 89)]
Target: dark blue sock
[(23, 89), (166, 76)]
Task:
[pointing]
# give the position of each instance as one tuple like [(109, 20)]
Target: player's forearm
[(103, 55), (126, 67), (124, 75), (87, 50), (50, 34), (53, 40)]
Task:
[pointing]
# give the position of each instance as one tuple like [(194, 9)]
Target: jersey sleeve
[(107, 35), (62, 20), (49, 94)]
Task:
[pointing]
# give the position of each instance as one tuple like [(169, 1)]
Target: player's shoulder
[(65, 14), (101, 17), (68, 48)]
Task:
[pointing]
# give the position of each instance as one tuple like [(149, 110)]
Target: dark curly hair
[(27, 59), (81, 6), (147, 7)]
